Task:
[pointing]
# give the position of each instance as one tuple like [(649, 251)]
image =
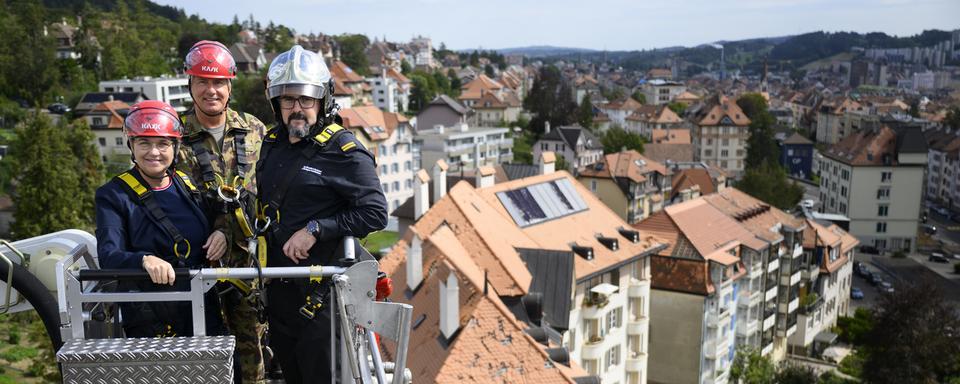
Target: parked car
[(929, 229), (937, 257), (808, 204), (885, 287), (869, 249), (58, 108), (856, 293), (875, 279), (955, 217)]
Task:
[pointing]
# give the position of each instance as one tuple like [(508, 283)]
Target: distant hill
[(543, 51), (788, 52)]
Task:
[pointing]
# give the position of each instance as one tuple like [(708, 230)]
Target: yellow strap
[(242, 220), (133, 183), (262, 251), (316, 273), (186, 180), (240, 284), (328, 132), (348, 146)]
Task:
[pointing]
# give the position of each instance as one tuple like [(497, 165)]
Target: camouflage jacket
[(224, 164)]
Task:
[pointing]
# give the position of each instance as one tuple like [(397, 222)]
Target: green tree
[(953, 118), (248, 96), (488, 70), (585, 112), (423, 91), (761, 146), (677, 107), (914, 338), (769, 183), (442, 82), (405, 67), (639, 96), (29, 68), (854, 330), (791, 373), (562, 163), (550, 99), (88, 165), (616, 139), (353, 52), (750, 367), (48, 184), (455, 83)]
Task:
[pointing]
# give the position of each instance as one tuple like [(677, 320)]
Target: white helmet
[(298, 72)]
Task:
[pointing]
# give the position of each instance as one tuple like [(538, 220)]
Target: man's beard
[(298, 131)]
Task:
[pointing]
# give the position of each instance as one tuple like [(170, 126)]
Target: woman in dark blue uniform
[(150, 218)]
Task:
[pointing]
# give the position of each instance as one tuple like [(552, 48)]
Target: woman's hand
[(161, 272), (216, 245)]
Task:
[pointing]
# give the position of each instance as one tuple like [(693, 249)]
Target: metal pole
[(377, 361)]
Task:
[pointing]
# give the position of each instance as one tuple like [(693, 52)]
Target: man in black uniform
[(317, 184)]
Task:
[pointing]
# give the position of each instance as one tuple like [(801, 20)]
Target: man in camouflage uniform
[(220, 147)]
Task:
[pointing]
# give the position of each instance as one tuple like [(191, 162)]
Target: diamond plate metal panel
[(207, 359)]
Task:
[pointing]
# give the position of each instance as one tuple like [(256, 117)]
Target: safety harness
[(139, 191), (270, 212)]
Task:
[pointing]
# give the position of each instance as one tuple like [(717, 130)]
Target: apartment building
[(878, 166), (172, 90), (629, 183), (720, 135)]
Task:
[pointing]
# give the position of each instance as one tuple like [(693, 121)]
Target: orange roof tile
[(671, 136), (756, 216), (580, 227), (688, 178), (476, 88), (719, 108), (113, 107), (865, 147), (709, 229), (340, 70)]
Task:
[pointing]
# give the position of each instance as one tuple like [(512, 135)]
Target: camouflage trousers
[(241, 319)]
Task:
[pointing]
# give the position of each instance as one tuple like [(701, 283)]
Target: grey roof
[(520, 171), (797, 139), (99, 97), (245, 53), (911, 140), (450, 102), (552, 273), (570, 135), (662, 153)]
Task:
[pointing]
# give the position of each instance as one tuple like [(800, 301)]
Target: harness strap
[(146, 197)]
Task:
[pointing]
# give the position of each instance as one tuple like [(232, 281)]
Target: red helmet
[(152, 118), (210, 59)]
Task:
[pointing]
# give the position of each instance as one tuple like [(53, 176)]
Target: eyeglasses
[(146, 146), (306, 102)]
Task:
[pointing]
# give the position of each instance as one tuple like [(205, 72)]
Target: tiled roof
[(451, 103), (626, 164), (581, 227), (866, 147), (797, 139), (476, 88), (570, 135), (717, 109), (671, 136), (117, 110), (340, 70), (369, 119), (673, 152), (245, 53), (755, 215), (627, 104), (708, 229), (490, 346), (688, 178)]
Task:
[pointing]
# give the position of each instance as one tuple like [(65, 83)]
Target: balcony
[(639, 289), (771, 293), (636, 361), (710, 349), (766, 349), (792, 279), (593, 350), (810, 273), (756, 270), (638, 326), (769, 318), (773, 265), (747, 328), (797, 250)]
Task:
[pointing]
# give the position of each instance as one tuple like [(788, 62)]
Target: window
[(614, 318), (103, 142), (384, 170), (593, 186), (726, 142), (886, 176), (97, 121), (383, 150), (386, 187), (882, 227), (406, 165), (883, 210), (845, 174), (843, 191), (613, 357), (396, 186), (883, 193), (409, 184), (395, 167), (708, 153), (843, 208), (724, 153)]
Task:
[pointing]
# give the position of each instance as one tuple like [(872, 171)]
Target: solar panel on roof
[(536, 203)]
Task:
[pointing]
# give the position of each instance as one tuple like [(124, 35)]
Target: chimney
[(546, 127), (415, 262), (485, 176), (476, 156), (439, 180), (547, 162), (449, 306), (421, 195)]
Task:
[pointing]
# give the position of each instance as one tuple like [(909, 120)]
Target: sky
[(593, 24)]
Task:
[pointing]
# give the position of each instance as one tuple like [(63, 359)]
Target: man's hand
[(298, 247), (161, 272), (216, 245)]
